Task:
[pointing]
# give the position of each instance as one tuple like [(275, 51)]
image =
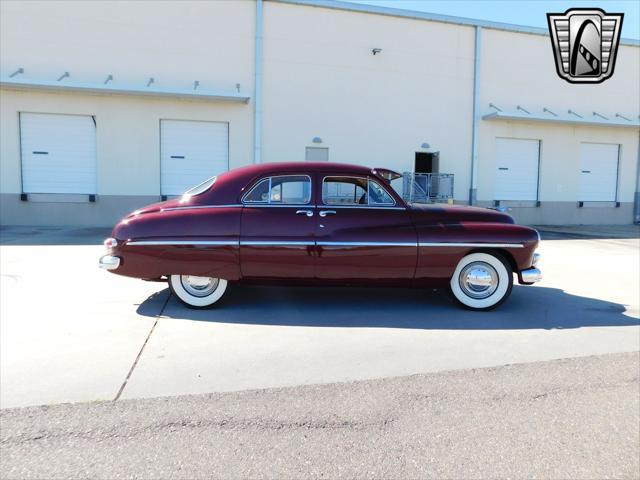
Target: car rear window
[(200, 188)]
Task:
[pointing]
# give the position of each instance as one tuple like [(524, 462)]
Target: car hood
[(443, 213)]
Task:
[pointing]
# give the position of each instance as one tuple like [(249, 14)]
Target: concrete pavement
[(70, 332), (575, 418)]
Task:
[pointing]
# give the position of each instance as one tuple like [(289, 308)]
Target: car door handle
[(308, 213), (324, 213)]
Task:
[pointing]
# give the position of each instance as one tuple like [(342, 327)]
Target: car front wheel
[(482, 281), (197, 292)]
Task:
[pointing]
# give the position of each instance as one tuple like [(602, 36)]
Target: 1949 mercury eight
[(320, 223)]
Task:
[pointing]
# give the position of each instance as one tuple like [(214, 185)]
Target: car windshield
[(198, 189)]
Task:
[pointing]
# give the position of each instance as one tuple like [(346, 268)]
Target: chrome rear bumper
[(530, 275), (109, 262)]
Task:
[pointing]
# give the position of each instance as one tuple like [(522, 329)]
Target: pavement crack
[(135, 362), (219, 424)]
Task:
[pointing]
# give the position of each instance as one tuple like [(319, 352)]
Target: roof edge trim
[(434, 17)]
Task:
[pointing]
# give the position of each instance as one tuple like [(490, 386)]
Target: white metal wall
[(58, 153)]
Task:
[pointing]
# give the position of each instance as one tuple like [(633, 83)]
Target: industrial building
[(108, 106)]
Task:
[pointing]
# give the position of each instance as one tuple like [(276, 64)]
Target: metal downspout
[(636, 196), (257, 120), (473, 189)]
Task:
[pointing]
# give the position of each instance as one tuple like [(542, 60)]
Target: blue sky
[(532, 13)]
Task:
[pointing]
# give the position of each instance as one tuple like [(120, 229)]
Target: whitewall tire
[(197, 292), (482, 281)]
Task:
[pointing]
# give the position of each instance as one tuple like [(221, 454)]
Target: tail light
[(110, 243)]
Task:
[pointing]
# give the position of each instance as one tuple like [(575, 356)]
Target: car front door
[(363, 231), (277, 228)]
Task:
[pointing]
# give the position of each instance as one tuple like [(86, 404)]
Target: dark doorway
[(427, 162)]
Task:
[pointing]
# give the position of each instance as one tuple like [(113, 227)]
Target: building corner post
[(473, 188), (636, 195), (257, 119)]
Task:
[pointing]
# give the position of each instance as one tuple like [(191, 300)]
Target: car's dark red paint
[(339, 247)]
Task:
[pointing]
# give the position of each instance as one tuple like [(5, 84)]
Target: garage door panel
[(58, 153), (516, 169), (192, 152), (598, 172)]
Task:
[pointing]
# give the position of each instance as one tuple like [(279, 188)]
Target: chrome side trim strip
[(368, 244), (488, 245), (194, 207), (235, 243), (267, 243), (221, 243)]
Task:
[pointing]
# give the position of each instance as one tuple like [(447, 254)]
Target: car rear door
[(277, 228), (363, 231)]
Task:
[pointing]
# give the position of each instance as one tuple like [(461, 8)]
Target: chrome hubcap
[(199, 286), (478, 280)]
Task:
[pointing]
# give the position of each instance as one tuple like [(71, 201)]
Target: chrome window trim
[(253, 187), (246, 204), (279, 205), (464, 244), (356, 205), (221, 243)]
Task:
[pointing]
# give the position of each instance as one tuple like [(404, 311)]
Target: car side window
[(354, 191), (281, 190), (378, 195)]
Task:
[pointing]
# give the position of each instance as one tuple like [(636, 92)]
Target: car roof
[(275, 167), (230, 183)]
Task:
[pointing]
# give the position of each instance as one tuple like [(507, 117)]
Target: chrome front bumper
[(109, 262)]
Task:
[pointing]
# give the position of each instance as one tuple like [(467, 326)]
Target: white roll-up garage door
[(58, 153), (517, 169), (598, 172), (191, 152)]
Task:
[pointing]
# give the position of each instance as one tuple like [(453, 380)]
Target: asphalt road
[(575, 418), (70, 332)]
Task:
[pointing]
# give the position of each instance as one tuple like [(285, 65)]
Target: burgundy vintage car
[(320, 223)]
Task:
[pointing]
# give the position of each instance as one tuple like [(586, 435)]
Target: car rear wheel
[(482, 281), (197, 292)]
